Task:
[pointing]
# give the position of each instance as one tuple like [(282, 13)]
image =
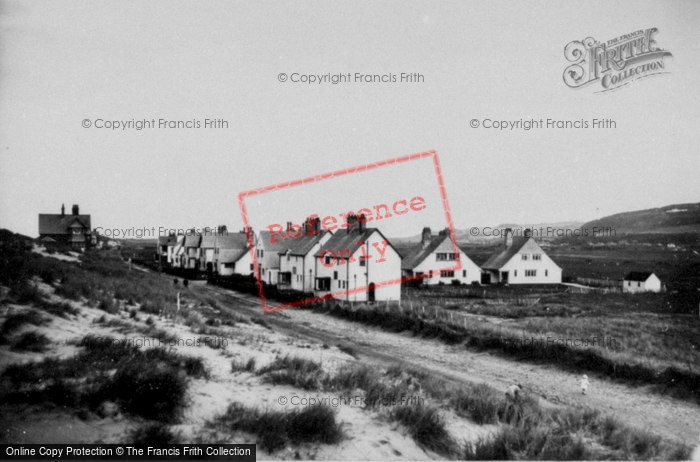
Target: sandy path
[(673, 419)]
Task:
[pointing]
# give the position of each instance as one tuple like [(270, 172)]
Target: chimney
[(528, 232), (63, 210), (507, 238), (426, 237), (76, 210), (312, 225), (352, 221)]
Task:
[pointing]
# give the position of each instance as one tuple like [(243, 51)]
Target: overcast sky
[(62, 62)]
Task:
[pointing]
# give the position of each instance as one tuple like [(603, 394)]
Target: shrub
[(426, 426), (25, 292), (298, 372), (15, 321), (479, 402), (31, 341), (275, 430), (154, 434)]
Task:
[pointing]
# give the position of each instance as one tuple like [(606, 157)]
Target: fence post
[(178, 301)]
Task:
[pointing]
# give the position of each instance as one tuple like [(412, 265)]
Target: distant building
[(232, 255), (641, 281), (358, 258), (164, 244), (432, 257), (297, 262), (73, 230), (521, 261)]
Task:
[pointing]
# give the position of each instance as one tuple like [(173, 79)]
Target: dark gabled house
[(73, 230)]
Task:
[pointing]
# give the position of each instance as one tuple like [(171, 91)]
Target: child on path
[(513, 392), (584, 384)]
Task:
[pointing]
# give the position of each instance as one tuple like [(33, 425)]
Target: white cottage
[(191, 250), (358, 264), (297, 261), (434, 259), (521, 261), (232, 255), (641, 281)]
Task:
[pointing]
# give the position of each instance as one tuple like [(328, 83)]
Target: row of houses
[(358, 262)]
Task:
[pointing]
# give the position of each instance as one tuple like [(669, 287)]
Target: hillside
[(672, 219)]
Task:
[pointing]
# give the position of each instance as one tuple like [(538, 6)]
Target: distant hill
[(672, 219)]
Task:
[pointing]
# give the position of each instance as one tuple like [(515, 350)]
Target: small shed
[(641, 281)]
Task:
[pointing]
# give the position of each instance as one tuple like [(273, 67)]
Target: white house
[(521, 261), (434, 259), (640, 281), (176, 250), (268, 246), (207, 247), (232, 255), (297, 261), (358, 264), (191, 253)]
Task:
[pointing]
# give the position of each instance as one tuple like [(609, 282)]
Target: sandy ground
[(637, 406), (370, 435)]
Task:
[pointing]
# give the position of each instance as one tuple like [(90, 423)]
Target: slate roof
[(343, 240), (267, 244), (60, 224), (304, 244), (417, 254), (231, 255), (208, 241), (639, 276), (232, 241), (192, 240), (499, 259), (167, 240)]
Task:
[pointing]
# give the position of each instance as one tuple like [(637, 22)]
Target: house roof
[(169, 240), (418, 253), (231, 255), (304, 244), (192, 240), (639, 276), (60, 224), (232, 241), (208, 241), (500, 258), (345, 239), (266, 242)]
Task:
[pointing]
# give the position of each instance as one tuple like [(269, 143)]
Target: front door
[(370, 292)]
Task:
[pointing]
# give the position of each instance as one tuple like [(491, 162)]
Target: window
[(430, 273), (525, 256), (446, 256), (328, 260), (447, 274), (335, 275), (262, 253), (287, 257), (536, 256), (323, 284), (546, 273), (638, 284), (530, 273), (515, 273), (464, 273), (252, 267), (285, 278), (294, 270), (362, 261)]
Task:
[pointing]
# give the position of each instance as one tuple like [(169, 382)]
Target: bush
[(275, 430), (426, 426), (32, 341), (154, 434), (298, 372)]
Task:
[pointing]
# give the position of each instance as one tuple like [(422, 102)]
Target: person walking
[(513, 392), (584, 383)]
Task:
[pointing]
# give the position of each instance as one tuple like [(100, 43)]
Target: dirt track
[(671, 418)]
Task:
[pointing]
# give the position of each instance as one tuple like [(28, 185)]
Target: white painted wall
[(653, 284), (547, 272)]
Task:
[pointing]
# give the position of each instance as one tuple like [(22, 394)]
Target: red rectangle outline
[(362, 168)]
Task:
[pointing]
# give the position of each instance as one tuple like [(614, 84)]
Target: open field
[(230, 364)]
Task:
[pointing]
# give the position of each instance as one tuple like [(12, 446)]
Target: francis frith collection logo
[(615, 63)]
